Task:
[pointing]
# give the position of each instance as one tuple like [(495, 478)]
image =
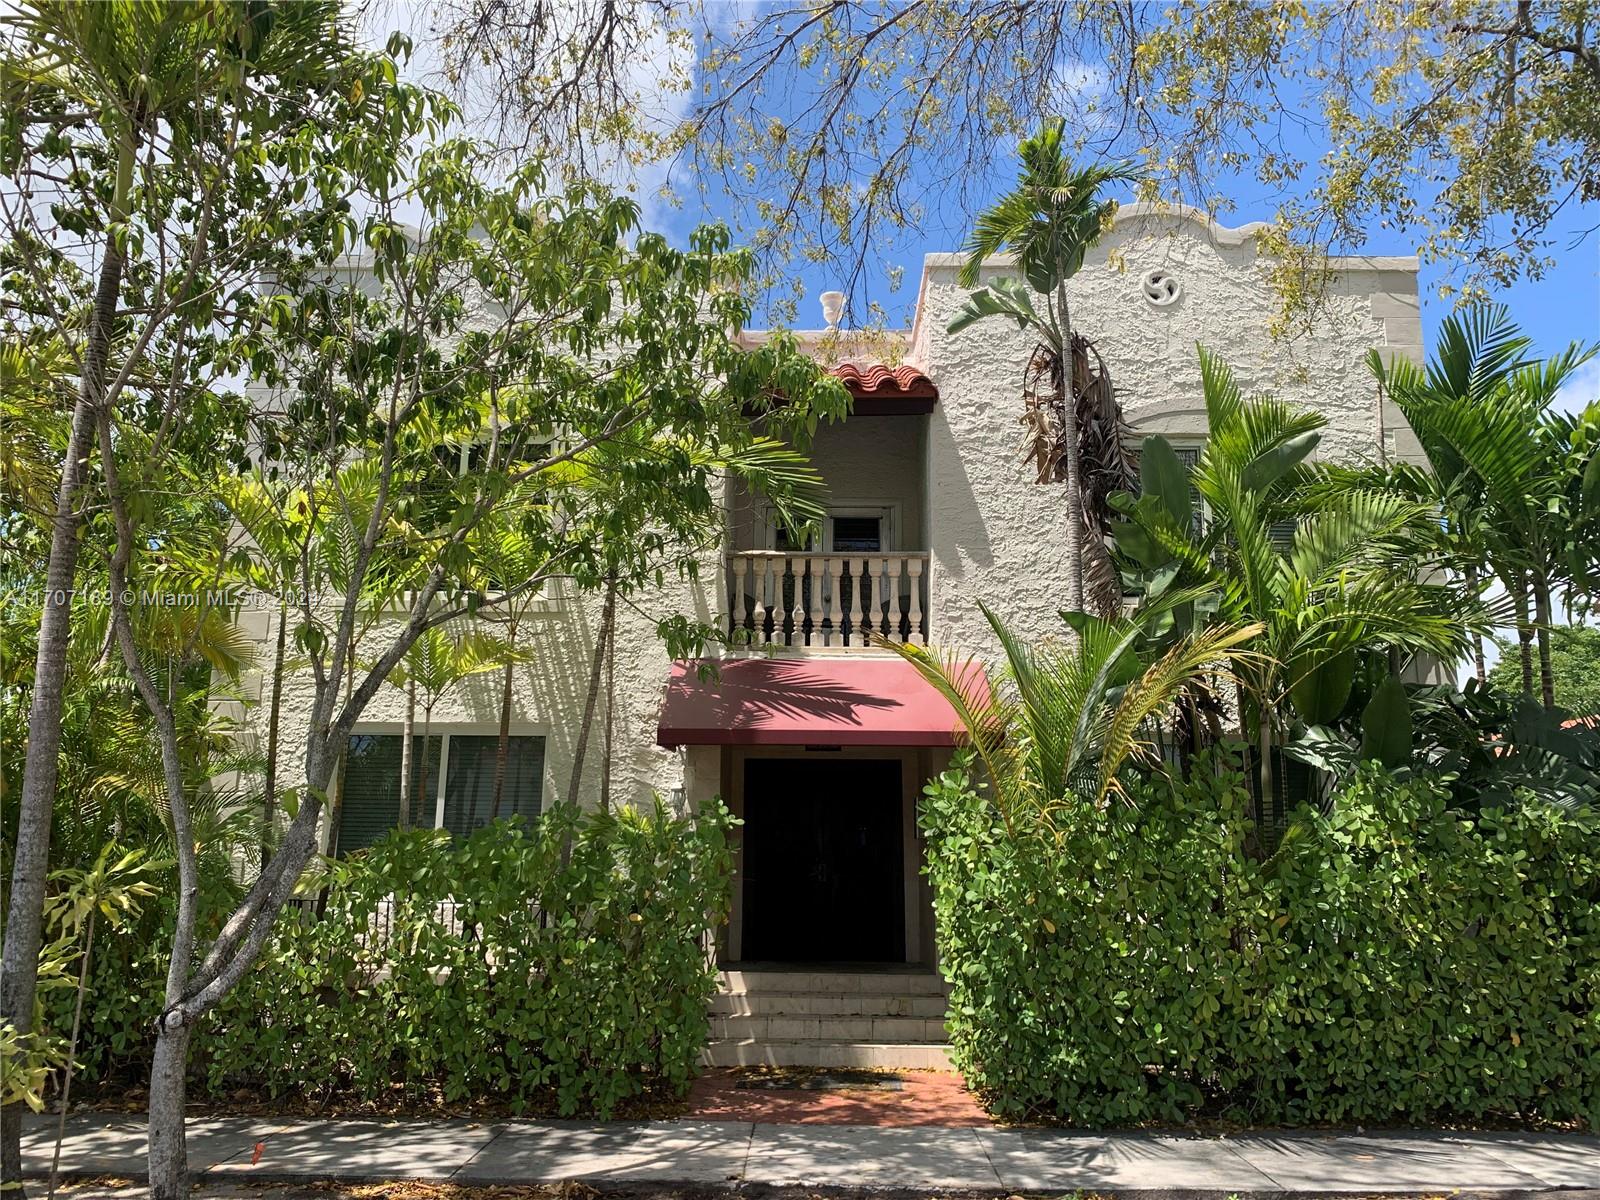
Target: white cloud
[(1582, 389)]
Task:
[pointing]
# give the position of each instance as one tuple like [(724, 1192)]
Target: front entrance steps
[(889, 1016)]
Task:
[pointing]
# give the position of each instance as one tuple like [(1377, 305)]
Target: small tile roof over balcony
[(888, 391)]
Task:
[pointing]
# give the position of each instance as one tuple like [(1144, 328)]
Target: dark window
[(369, 804), (369, 798), (857, 535), (469, 787)]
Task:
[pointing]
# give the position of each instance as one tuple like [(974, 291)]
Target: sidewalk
[(724, 1153)]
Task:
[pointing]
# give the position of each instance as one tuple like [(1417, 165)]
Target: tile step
[(751, 1052), (891, 983), (826, 1004), (830, 1029)]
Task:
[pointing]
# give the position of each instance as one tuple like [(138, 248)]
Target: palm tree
[(1503, 470), (1076, 433), (1324, 569), (437, 661), (1062, 721)]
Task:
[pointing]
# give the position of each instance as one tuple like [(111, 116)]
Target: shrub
[(559, 965), (1393, 960)]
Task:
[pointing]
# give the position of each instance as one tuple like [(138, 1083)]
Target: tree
[(433, 665), (508, 311), (158, 160), (1467, 127), (1325, 570), (1063, 721), (1048, 223), (1574, 669), (1503, 470)]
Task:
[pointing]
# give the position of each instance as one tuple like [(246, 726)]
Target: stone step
[(826, 1004), (894, 983), (751, 1052), (830, 1029)]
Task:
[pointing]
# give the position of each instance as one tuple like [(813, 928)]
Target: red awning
[(805, 702)]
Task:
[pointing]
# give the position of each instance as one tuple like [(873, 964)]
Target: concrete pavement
[(725, 1153)]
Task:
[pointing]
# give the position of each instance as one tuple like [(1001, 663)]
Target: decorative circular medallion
[(1160, 287)]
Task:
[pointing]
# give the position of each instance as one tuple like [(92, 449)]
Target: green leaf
[(1163, 475), (1277, 461), (1386, 725), (1320, 692)]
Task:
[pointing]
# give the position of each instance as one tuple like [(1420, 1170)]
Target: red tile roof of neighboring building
[(878, 380)]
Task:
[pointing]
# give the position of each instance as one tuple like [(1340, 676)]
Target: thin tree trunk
[(1069, 437), (72, 1053), (422, 772), (269, 807), (169, 1156), (19, 960), (1542, 617), (596, 663), (406, 737), (1269, 784), (502, 750), (611, 698), (1524, 636), (1480, 669)]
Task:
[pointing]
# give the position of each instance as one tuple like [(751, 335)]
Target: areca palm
[(1061, 720), (1502, 465), (1076, 433), (1322, 571)]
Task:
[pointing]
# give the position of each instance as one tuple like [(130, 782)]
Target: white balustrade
[(827, 601)]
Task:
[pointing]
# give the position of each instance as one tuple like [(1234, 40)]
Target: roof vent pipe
[(832, 308)]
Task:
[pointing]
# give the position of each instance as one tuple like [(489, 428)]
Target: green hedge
[(487, 967), (1394, 961)]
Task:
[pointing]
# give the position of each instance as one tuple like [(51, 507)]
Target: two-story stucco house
[(821, 743)]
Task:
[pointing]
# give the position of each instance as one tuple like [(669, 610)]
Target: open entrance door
[(823, 860)]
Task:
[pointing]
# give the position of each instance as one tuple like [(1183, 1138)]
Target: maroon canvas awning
[(806, 702)]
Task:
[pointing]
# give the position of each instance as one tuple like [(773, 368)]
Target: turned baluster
[(914, 570), (737, 616), (891, 596)]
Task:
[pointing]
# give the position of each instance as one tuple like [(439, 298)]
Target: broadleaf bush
[(1396, 960), (555, 966)]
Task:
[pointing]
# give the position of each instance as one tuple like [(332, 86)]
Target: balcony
[(801, 600)]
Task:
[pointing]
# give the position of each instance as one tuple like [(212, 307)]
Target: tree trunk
[(407, 736), (422, 772), (1524, 636), (1480, 669), (168, 1153), (502, 750), (1070, 459), (611, 698), (19, 960), (596, 664), (269, 807), (1542, 617), (72, 1052), (1269, 784)]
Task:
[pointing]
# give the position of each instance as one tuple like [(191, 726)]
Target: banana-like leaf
[(1320, 690), (1276, 462), (1163, 476), (1386, 725)]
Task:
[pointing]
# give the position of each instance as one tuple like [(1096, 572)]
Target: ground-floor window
[(452, 784)]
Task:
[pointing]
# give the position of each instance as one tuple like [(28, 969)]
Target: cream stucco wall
[(867, 460), (993, 533), (996, 534)]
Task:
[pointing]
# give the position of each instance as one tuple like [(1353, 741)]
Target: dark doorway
[(823, 861)]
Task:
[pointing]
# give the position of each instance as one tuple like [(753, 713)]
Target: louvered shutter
[(469, 787), (369, 795)]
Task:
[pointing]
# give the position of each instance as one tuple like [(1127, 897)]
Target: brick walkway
[(926, 1099)]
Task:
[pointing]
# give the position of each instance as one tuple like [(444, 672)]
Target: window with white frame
[(452, 784)]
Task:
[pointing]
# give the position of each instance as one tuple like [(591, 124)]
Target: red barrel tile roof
[(880, 381)]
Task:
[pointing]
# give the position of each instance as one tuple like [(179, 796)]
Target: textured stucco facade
[(961, 490)]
